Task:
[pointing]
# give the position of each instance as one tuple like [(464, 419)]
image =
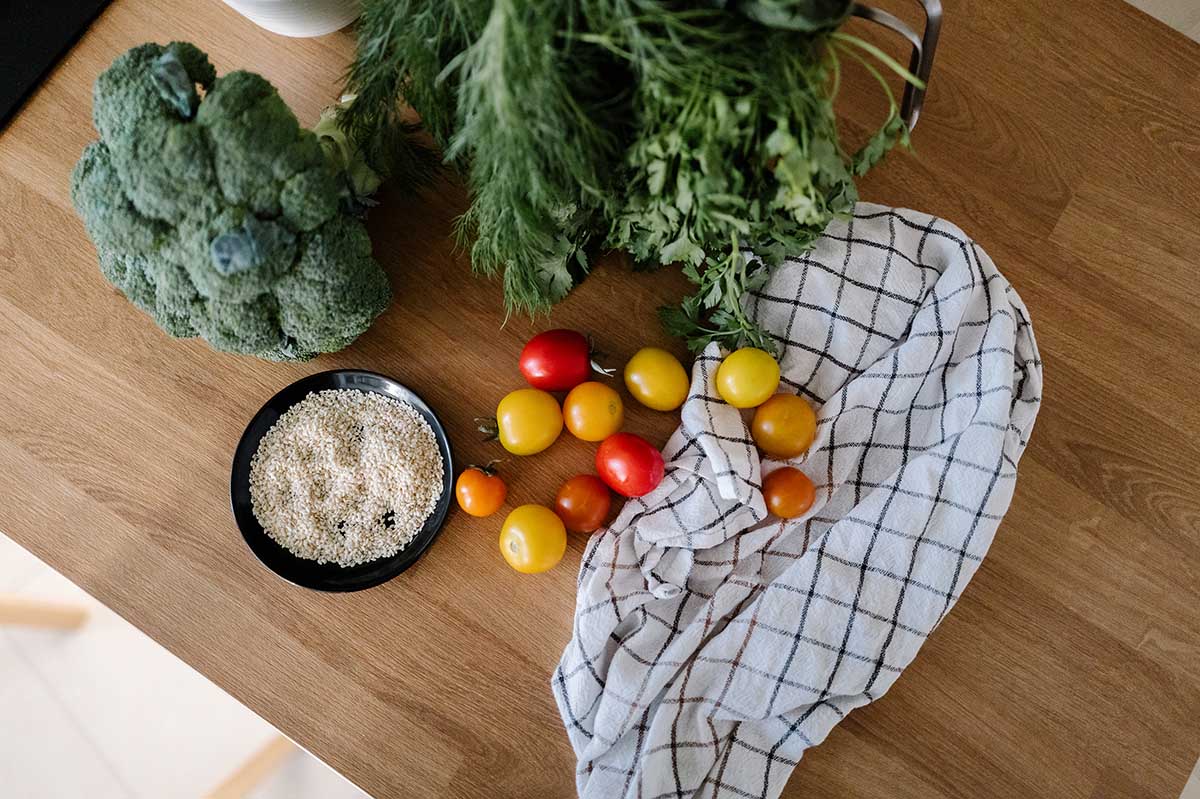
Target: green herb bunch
[(682, 133)]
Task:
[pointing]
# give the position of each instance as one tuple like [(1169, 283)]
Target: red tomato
[(629, 464), (557, 360), (583, 503)]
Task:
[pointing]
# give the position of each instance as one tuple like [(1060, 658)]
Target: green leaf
[(893, 132), (656, 177), (554, 274), (758, 278), (676, 321), (684, 195), (808, 16), (713, 298), (682, 249)]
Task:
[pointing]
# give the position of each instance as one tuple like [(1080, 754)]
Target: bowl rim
[(256, 539)]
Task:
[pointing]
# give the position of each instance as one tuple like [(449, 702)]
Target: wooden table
[(1064, 139)]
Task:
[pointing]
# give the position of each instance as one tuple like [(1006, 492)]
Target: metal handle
[(923, 47)]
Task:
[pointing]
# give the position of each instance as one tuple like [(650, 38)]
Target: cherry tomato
[(583, 503), (593, 411), (656, 379), (784, 426), (480, 491), (629, 464), (788, 492), (528, 421), (747, 377), (533, 539), (556, 360)]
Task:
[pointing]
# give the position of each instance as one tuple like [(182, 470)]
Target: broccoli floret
[(212, 209), (324, 308)]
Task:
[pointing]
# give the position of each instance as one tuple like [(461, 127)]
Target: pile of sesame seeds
[(346, 477)]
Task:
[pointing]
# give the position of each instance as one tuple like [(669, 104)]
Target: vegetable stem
[(879, 55)]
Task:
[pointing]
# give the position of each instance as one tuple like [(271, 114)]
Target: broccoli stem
[(361, 180)]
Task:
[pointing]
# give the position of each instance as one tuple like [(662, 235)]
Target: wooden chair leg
[(253, 771), (40, 613)]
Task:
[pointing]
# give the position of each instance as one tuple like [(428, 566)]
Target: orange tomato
[(533, 539), (583, 503), (480, 491), (784, 426), (788, 492), (593, 411)]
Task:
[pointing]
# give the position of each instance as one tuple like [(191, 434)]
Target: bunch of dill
[(681, 132)]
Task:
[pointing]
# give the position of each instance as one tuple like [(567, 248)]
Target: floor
[(1182, 15), (1192, 789), (105, 712)]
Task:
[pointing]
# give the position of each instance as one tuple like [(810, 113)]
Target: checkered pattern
[(712, 645)]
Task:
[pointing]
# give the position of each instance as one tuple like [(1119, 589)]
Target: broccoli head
[(213, 211)]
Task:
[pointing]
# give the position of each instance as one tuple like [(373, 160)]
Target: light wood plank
[(257, 768), (27, 612)]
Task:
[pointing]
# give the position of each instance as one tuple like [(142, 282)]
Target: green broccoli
[(219, 216)]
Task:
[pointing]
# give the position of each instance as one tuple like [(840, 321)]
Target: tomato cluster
[(783, 427), (529, 420)]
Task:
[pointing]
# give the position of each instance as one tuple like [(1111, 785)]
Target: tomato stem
[(604, 370), (489, 428), (593, 355), (488, 468)]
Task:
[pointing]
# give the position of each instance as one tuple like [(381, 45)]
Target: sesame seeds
[(346, 477)]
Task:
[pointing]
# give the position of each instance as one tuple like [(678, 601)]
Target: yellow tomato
[(533, 539), (593, 411), (528, 421), (784, 426), (746, 378), (656, 379)]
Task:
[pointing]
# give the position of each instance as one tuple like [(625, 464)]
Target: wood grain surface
[(1062, 136)]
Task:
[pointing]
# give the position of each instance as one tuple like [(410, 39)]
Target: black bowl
[(330, 576)]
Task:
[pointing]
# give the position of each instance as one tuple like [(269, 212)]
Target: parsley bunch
[(682, 133)]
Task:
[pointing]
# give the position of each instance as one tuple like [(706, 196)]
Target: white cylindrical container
[(299, 18)]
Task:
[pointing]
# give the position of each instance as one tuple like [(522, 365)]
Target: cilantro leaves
[(682, 133)]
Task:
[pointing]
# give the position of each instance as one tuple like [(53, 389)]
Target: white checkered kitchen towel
[(712, 645)]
